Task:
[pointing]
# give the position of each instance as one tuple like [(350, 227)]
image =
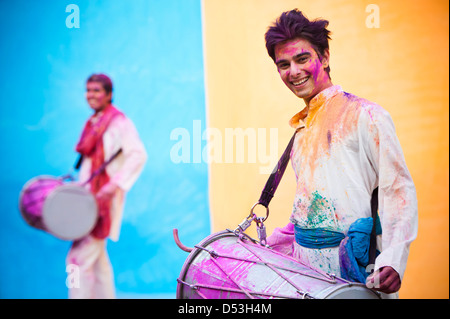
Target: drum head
[(32, 198), (70, 212)]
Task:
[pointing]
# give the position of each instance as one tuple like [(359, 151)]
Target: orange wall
[(402, 65)]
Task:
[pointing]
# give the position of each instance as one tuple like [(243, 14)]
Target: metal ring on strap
[(252, 214)]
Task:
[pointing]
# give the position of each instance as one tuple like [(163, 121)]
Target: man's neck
[(308, 99)]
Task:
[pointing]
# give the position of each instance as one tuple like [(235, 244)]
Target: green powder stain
[(319, 211)]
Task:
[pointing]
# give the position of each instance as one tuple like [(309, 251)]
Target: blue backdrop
[(153, 52)]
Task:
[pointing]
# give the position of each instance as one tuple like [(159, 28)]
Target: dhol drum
[(226, 265), (64, 209)]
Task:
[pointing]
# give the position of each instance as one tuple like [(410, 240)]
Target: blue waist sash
[(317, 237), (353, 248)]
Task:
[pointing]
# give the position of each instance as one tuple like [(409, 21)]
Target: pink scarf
[(91, 145)]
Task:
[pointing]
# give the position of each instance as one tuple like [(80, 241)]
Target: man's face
[(96, 96), (301, 69)]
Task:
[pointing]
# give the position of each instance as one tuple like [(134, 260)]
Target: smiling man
[(107, 132), (345, 153), (302, 69)]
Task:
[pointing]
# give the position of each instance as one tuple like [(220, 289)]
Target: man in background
[(107, 132)]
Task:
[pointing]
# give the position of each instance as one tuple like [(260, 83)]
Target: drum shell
[(66, 210), (32, 198), (242, 269)]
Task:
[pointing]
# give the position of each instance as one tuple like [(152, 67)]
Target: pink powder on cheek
[(316, 72)]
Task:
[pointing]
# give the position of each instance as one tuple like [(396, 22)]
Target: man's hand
[(107, 192), (385, 279)]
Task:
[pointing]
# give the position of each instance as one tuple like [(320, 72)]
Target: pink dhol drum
[(65, 210), (227, 266)]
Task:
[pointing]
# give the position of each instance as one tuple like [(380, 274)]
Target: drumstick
[(102, 167), (178, 242), (78, 163)]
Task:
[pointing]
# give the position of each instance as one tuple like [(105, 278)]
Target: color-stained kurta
[(345, 147)]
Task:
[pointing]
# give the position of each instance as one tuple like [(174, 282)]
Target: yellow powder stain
[(328, 123)]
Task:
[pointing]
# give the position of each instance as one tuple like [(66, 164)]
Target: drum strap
[(78, 163), (103, 166), (276, 175), (373, 235)]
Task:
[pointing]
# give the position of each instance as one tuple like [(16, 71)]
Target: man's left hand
[(107, 191), (385, 279)]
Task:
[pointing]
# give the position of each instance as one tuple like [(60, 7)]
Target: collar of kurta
[(305, 116)]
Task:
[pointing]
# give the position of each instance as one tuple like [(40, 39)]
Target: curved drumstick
[(178, 242)]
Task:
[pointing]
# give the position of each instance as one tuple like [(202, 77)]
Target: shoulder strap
[(78, 162), (276, 175), (103, 166), (373, 236)]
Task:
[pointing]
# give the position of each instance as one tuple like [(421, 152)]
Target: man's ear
[(325, 58)]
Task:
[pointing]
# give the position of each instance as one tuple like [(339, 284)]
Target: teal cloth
[(353, 248), (317, 238)]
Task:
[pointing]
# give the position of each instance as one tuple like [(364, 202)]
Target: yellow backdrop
[(399, 61)]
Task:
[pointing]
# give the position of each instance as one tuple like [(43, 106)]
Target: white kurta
[(89, 255), (345, 147)]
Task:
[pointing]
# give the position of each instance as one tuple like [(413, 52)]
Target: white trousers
[(92, 275)]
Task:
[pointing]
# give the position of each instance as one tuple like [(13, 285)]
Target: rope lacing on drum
[(193, 287), (261, 231), (330, 278), (276, 268), (214, 255)]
